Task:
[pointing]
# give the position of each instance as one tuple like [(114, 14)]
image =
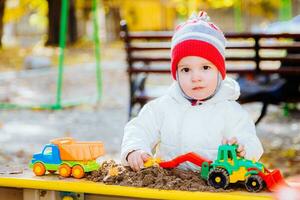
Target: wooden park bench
[(267, 66)]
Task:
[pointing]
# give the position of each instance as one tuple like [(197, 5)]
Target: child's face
[(197, 77)]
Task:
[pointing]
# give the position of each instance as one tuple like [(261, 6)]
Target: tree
[(54, 11), (2, 6)]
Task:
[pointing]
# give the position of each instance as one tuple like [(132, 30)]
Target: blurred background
[(30, 53)]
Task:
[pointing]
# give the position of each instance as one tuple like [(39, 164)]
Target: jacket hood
[(229, 90)]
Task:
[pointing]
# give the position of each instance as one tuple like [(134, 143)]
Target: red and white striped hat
[(198, 37)]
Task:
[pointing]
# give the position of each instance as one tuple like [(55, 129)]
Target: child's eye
[(185, 69), (206, 67)]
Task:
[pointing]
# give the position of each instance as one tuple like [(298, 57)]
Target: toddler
[(199, 112)]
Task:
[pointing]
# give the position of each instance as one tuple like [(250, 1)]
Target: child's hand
[(240, 150), (137, 158)]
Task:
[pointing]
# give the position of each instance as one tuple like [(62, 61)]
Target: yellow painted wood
[(52, 182)]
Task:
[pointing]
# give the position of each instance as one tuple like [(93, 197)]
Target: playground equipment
[(58, 104), (229, 168), (68, 157)]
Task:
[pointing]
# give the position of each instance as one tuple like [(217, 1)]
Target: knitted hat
[(198, 37)]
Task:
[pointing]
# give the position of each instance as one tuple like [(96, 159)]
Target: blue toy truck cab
[(49, 155)]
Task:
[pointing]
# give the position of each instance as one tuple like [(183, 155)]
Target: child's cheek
[(211, 86), (185, 85)]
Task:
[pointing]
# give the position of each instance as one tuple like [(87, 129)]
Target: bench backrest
[(245, 52)]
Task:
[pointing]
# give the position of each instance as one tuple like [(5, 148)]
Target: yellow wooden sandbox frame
[(28, 186)]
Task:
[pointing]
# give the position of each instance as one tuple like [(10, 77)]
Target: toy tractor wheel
[(218, 178), (39, 169), (78, 171), (64, 170), (254, 183)]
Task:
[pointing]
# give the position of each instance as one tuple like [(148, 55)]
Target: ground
[(25, 131)]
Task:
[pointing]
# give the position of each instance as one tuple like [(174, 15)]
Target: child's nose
[(196, 76)]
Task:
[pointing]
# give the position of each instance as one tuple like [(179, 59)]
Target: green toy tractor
[(229, 168)]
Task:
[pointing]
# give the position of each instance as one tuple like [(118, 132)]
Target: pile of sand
[(152, 177)]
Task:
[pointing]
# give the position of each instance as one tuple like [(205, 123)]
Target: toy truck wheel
[(254, 183), (78, 171), (39, 169), (218, 178), (64, 170)]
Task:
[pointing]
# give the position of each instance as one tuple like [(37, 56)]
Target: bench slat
[(282, 70), (150, 35), (166, 59), (284, 47)]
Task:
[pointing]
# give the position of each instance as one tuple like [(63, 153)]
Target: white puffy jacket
[(172, 126)]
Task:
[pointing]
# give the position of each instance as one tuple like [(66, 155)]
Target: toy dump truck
[(229, 168), (67, 157)]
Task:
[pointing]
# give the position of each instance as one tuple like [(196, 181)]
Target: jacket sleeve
[(142, 132), (240, 125)]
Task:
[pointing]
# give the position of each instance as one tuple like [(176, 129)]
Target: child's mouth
[(198, 88)]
